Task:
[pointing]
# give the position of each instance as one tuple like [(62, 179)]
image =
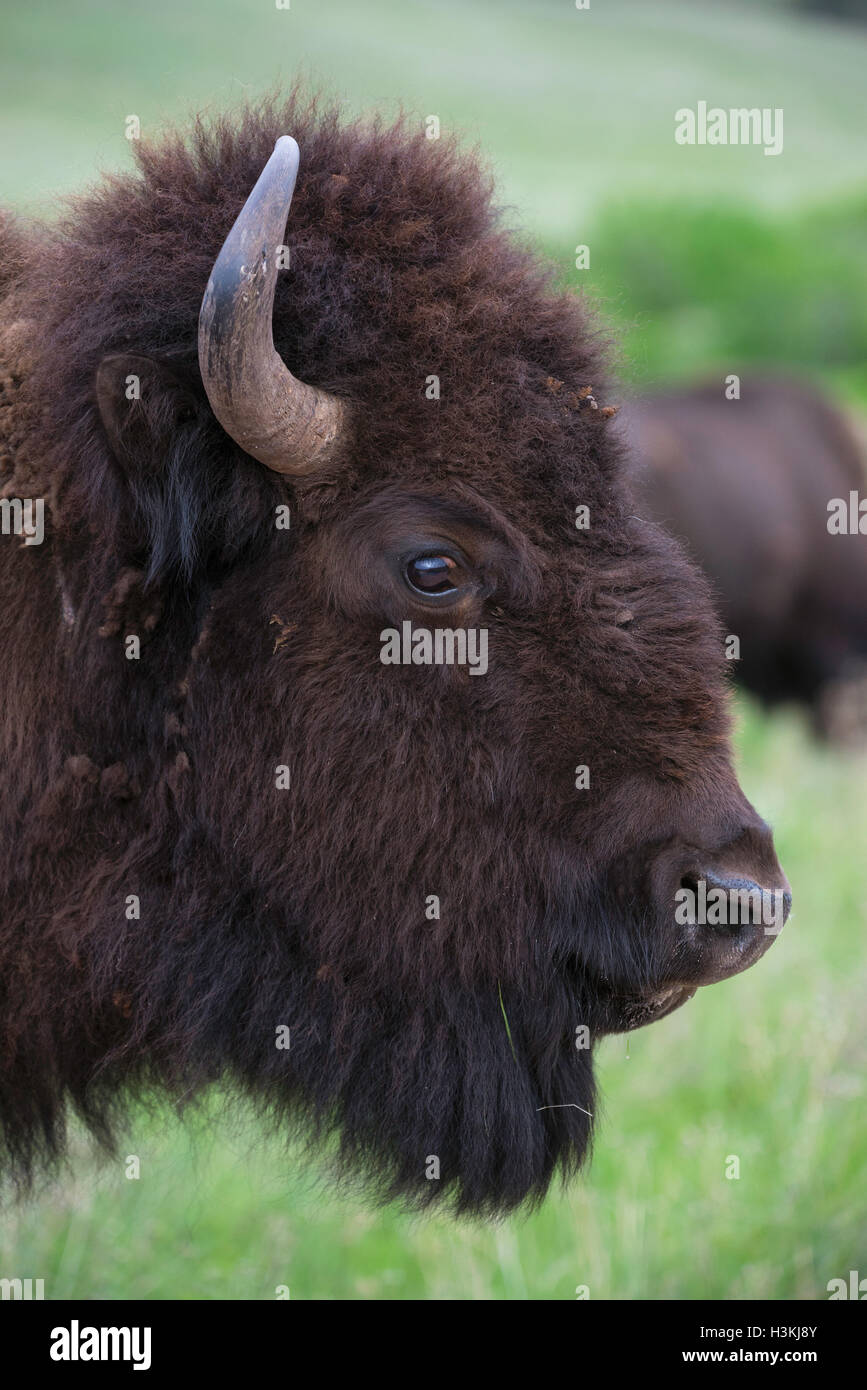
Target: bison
[(747, 485), (394, 900)]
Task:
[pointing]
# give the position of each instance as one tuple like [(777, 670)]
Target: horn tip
[(286, 145)]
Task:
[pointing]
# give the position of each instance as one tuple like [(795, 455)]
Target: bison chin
[(625, 1014), (483, 1099), (466, 1097), (467, 1092)]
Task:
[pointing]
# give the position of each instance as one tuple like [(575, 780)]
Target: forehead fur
[(400, 270)]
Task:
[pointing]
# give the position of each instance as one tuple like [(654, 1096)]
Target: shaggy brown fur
[(305, 907)]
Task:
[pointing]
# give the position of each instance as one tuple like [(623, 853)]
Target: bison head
[(375, 738)]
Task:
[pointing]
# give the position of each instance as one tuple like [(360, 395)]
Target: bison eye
[(432, 574)]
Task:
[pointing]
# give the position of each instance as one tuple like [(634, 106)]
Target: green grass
[(769, 1067), (731, 286), (573, 108), (716, 258)]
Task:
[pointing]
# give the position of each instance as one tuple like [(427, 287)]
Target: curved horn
[(290, 427)]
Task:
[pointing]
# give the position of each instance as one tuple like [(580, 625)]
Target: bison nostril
[(731, 905)]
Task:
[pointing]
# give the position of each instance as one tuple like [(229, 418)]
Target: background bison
[(237, 826), (746, 484)]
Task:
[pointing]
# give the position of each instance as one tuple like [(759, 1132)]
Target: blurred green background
[(701, 260)]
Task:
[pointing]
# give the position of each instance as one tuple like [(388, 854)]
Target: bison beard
[(153, 780)]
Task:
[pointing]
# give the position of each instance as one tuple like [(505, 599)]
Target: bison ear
[(142, 404)]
